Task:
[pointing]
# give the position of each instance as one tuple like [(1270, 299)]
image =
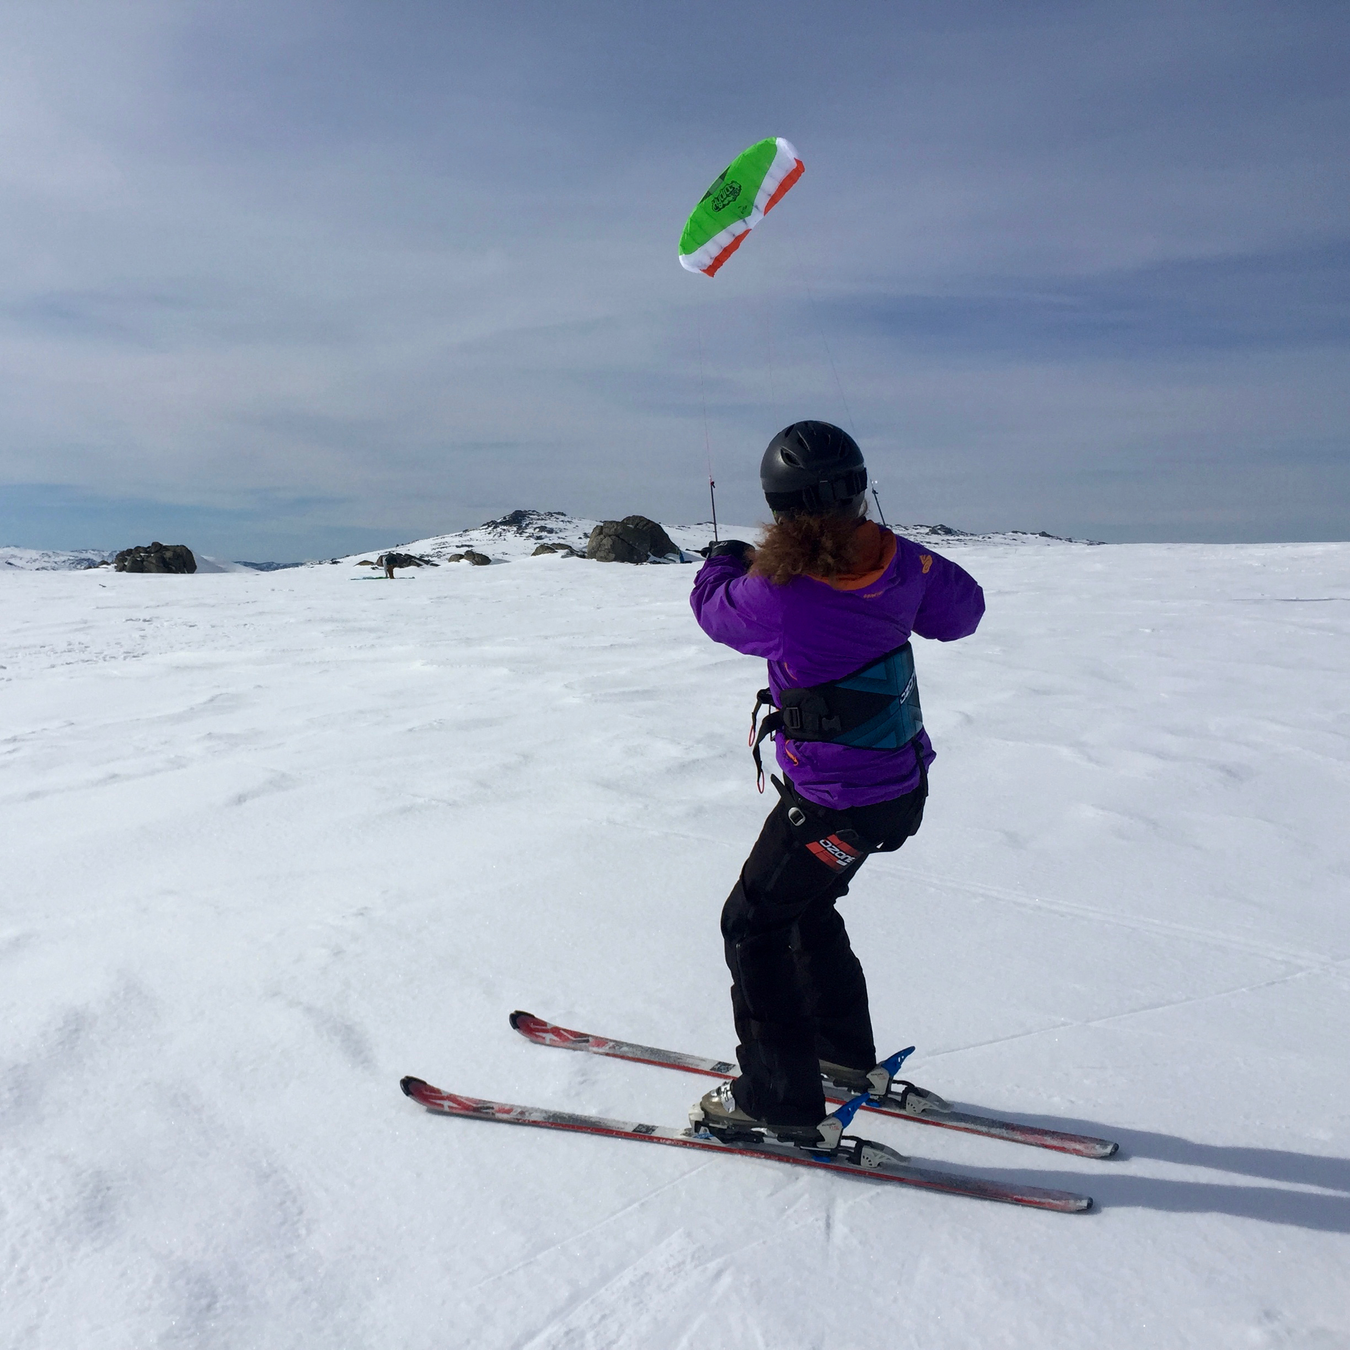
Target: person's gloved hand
[(734, 548)]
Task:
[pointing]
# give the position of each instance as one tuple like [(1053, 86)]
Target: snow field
[(273, 840)]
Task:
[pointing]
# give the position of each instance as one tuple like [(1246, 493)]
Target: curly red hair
[(824, 546)]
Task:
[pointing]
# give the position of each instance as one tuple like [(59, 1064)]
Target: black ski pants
[(798, 993)]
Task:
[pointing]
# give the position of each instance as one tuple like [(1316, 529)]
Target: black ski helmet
[(813, 468)]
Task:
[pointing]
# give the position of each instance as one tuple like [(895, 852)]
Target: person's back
[(814, 629), (830, 600)]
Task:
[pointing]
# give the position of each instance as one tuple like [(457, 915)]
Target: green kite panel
[(740, 197)]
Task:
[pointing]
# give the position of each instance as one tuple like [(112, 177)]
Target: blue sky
[(282, 280)]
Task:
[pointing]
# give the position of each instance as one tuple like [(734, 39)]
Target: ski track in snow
[(271, 843)]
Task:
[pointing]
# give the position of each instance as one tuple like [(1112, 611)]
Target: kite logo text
[(726, 196)]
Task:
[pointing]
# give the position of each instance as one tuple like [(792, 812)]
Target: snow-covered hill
[(206, 565), (82, 560), (518, 534), (273, 842), (51, 559)]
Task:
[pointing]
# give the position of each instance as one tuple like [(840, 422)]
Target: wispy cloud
[(302, 273)]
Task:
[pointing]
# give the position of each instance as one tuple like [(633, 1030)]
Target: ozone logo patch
[(834, 853)]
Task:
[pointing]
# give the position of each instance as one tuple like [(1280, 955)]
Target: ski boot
[(720, 1115), (878, 1083)]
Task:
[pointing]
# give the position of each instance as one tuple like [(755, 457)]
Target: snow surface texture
[(273, 840)]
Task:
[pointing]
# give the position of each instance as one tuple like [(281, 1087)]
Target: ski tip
[(520, 1016), (1108, 1148), (1061, 1202), (411, 1085)]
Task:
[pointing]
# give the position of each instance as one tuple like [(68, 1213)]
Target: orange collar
[(874, 552)]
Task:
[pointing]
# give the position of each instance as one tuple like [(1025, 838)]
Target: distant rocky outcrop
[(156, 557), (565, 549), (528, 524), (633, 539)]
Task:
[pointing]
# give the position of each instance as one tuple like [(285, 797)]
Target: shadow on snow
[(1274, 1204)]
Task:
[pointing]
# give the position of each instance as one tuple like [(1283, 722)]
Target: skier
[(830, 599)]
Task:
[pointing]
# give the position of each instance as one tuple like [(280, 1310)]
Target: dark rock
[(610, 543), (469, 556), (565, 549), (157, 557), (633, 539)]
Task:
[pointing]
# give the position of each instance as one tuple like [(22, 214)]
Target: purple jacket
[(811, 632)]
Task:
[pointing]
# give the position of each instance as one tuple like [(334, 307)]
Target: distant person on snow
[(830, 599)]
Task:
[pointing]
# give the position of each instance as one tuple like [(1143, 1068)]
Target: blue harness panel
[(875, 708), (901, 719)]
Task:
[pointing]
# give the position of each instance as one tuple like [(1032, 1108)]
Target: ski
[(857, 1157), (911, 1103)]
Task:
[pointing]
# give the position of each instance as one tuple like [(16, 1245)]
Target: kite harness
[(873, 708)]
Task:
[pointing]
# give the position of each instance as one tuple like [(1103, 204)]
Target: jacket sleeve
[(737, 610), (952, 605)]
